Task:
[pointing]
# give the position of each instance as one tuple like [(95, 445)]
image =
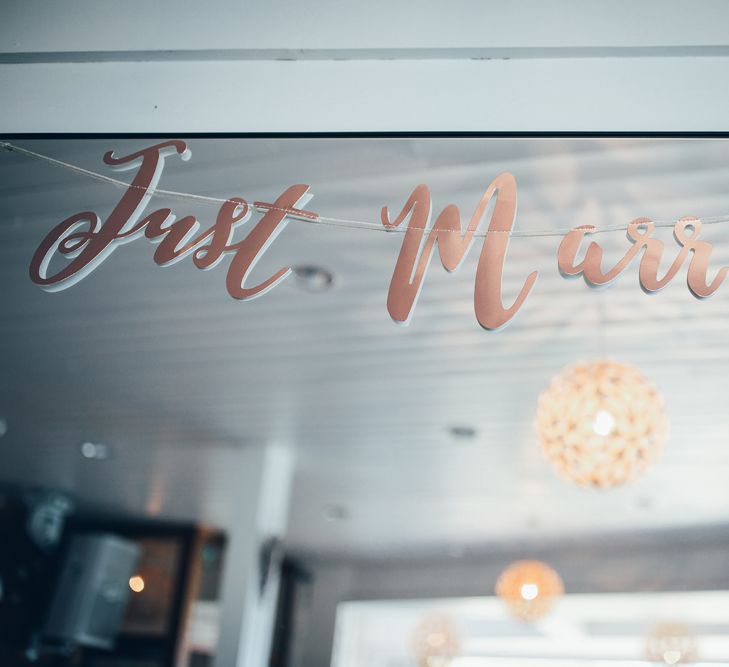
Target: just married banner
[(77, 245)]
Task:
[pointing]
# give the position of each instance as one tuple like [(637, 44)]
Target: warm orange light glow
[(435, 641), (136, 583), (672, 644), (529, 588), (601, 424)]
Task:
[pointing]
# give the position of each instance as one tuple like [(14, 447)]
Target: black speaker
[(92, 591)]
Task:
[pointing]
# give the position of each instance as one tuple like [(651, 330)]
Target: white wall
[(180, 66), (589, 94)]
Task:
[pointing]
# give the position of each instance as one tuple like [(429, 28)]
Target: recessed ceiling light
[(3, 427), (94, 450), (462, 432), (335, 513), (456, 550), (312, 278), (644, 503)]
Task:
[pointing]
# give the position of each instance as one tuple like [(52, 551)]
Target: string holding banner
[(322, 219), (86, 241)]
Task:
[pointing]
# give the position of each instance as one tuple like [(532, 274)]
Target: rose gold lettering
[(699, 265), (490, 311), (453, 245), (639, 233), (249, 250), (90, 247)]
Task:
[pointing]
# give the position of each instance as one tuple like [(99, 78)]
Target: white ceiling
[(174, 375)]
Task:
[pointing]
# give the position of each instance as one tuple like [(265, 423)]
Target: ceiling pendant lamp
[(529, 588), (672, 644), (435, 641), (601, 423)]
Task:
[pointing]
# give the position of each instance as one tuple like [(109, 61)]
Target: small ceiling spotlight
[(335, 513), (456, 550), (3, 427), (462, 432), (94, 450), (312, 278), (645, 503)]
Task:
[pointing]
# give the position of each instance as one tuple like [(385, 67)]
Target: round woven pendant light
[(529, 588), (672, 644), (601, 423), (435, 641)]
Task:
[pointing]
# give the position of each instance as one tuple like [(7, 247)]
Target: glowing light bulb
[(604, 423), (136, 583), (672, 656), (601, 424), (435, 642), (672, 644), (529, 591)]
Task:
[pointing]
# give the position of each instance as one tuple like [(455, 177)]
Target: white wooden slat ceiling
[(174, 375)]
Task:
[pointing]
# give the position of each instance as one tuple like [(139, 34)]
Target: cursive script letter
[(93, 243), (490, 311), (686, 232), (251, 248), (699, 265), (453, 246)]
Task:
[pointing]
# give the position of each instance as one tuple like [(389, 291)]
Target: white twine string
[(323, 220)]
